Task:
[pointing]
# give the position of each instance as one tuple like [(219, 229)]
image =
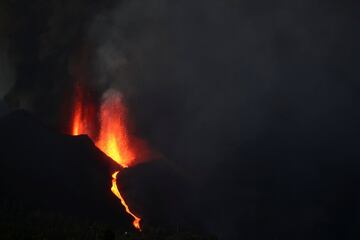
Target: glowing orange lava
[(116, 191), (78, 114), (113, 138), (83, 113)]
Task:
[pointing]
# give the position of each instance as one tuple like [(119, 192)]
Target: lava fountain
[(83, 112), (113, 137)]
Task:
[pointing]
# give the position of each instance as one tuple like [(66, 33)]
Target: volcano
[(112, 137), (42, 169), (48, 172)]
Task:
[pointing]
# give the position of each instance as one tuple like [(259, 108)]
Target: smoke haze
[(243, 97), (204, 79)]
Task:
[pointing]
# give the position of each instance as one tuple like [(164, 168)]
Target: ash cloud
[(230, 69), (208, 80)]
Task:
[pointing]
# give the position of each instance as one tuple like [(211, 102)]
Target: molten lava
[(113, 138), (116, 191), (83, 112), (78, 115)]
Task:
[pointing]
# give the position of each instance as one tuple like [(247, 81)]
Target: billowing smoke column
[(113, 136)]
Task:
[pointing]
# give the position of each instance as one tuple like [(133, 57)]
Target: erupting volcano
[(112, 136)]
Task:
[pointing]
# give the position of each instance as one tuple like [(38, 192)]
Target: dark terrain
[(55, 186)]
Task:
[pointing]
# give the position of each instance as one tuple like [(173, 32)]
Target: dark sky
[(255, 101)]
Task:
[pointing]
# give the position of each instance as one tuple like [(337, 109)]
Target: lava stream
[(117, 193)]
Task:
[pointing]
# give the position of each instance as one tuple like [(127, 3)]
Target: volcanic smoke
[(112, 137)]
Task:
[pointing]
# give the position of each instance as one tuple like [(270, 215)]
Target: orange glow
[(116, 191), (77, 126), (83, 113), (113, 137)]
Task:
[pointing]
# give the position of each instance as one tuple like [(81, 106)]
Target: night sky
[(254, 102)]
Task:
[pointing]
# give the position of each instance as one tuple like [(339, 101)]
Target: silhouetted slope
[(41, 169), (160, 194)]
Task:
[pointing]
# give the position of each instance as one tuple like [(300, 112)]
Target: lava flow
[(113, 137), (117, 193)]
